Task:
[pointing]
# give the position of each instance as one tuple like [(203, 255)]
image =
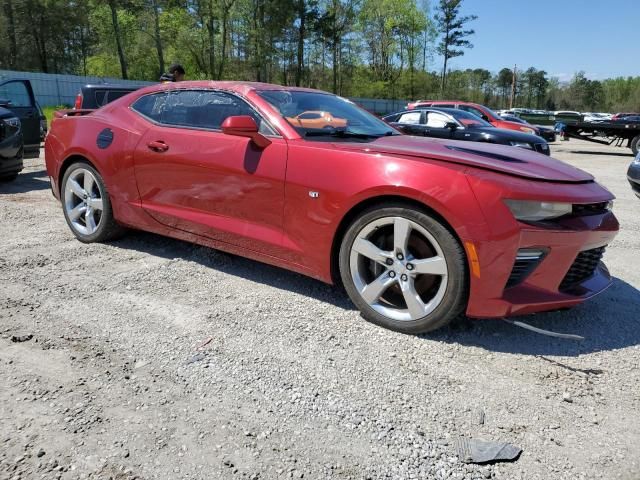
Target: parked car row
[(481, 111), (455, 124)]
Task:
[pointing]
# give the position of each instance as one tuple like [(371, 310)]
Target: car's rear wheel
[(86, 204), (403, 269)]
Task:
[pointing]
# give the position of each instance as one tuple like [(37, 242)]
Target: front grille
[(584, 209), (582, 268), (526, 261)]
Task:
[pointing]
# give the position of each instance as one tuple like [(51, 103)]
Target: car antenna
[(567, 336)]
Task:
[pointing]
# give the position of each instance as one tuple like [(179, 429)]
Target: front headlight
[(527, 130), (535, 211), (12, 122), (522, 145)]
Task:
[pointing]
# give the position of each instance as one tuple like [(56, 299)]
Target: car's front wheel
[(403, 269), (86, 204)]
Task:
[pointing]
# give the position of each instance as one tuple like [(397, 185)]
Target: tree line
[(356, 48)]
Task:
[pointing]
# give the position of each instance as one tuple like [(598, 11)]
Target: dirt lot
[(153, 358)]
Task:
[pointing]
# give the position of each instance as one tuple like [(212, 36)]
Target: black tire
[(635, 145), (454, 301), (8, 178), (107, 227)]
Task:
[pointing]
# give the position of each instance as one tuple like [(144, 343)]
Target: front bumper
[(11, 154), (545, 287), (633, 175), (548, 134)]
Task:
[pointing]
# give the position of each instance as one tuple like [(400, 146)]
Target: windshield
[(318, 115), (513, 118), (491, 112), (467, 119)]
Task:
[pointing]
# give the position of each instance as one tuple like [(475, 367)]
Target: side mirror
[(5, 102), (485, 118), (245, 126), (451, 125)]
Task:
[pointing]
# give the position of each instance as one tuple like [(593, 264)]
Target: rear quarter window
[(151, 106)]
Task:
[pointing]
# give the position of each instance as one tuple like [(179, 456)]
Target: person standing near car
[(176, 73)]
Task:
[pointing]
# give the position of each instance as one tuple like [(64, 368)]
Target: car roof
[(243, 88), (113, 86), (449, 111)]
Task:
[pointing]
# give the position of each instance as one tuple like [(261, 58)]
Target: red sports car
[(417, 230)]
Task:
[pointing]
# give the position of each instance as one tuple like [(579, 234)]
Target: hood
[(515, 161), (511, 135), (508, 124)]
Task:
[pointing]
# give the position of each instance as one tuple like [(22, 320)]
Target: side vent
[(526, 262)]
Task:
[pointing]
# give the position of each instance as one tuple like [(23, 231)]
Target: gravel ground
[(154, 358)]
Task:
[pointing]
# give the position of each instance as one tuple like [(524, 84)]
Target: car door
[(195, 178), (18, 95), (411, 123), (435, 125)]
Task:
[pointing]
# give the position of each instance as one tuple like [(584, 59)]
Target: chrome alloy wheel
[(398, 268), (83, 201)]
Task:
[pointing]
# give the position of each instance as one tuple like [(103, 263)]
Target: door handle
[(158, 146)]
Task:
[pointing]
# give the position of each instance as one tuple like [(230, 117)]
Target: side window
[(207, 109), (16, 93), (412, 118), (444, 105), (100, 96), (151, 106), (436, 120), (115, 94)]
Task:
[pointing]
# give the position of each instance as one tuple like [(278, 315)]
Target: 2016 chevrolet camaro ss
[(418, 230)]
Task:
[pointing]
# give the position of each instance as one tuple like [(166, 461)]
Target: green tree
[(451, 26)]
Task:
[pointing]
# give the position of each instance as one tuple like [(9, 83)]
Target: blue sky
[(600, 37)]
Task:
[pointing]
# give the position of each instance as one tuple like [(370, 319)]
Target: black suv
[(17, 97), (95, 96), (10, 144)]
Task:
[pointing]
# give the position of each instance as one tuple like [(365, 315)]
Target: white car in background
[(596, 117)]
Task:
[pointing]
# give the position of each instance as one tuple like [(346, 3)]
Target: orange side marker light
[(473, 258)]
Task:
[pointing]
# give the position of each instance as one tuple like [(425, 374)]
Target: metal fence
[(381, 106), (52, 90)]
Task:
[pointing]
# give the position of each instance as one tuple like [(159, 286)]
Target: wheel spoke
[(401, 232), (430, 266), (77, 212), (76, 188), (96, 203), (90, 221), (373, 291), (88, 183), (414, 303), (369, 250)]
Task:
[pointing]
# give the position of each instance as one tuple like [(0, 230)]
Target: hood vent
[(493, 156)]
